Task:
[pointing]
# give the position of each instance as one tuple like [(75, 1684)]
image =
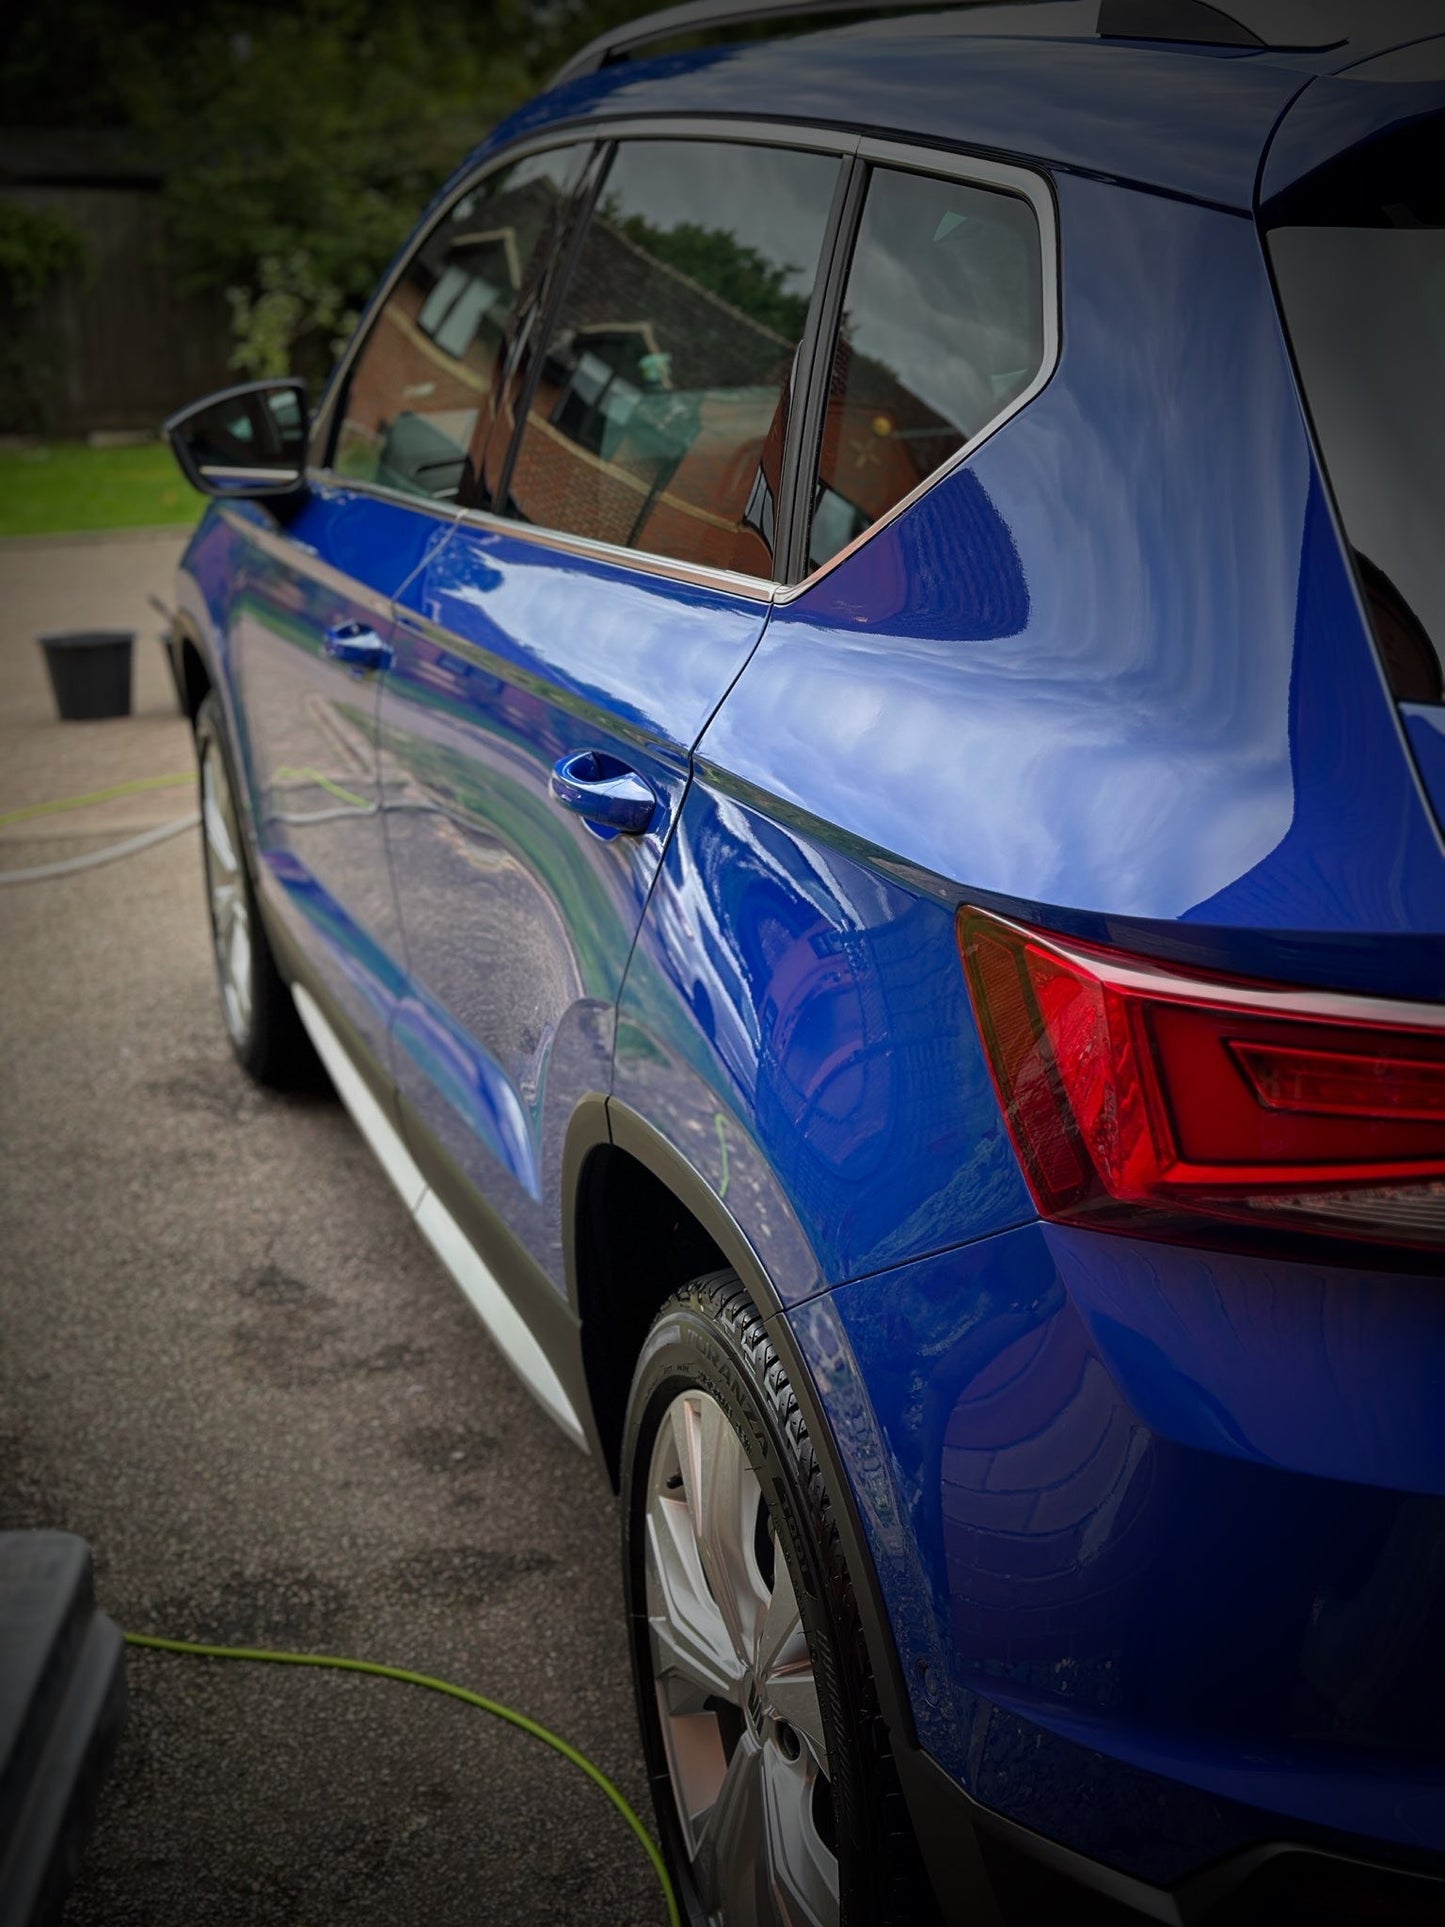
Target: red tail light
[(1133, 1091)]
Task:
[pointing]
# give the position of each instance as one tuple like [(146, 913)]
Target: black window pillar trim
[(538, 334), (808, 401), (1027, 182)]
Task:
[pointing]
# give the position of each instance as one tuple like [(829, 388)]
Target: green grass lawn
[(65, 485)]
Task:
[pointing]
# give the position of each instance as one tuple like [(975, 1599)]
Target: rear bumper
[(1161, 1540)]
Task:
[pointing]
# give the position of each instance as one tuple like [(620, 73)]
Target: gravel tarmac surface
[(229, 1361)]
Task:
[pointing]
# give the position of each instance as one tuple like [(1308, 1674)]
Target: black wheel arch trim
[(611, 1123)]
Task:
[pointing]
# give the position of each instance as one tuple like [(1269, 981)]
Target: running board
[(510, 1331)]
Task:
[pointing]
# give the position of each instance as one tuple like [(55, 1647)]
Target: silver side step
[(510, 1332)]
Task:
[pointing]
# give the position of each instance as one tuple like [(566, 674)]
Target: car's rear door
[(565, 649)]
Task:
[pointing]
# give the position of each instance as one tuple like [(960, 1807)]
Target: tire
[(767, 1754), (266, 1034)]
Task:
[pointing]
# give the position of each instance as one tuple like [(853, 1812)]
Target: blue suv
[(834, 732)]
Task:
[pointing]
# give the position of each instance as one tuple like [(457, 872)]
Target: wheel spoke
[(238, 961), (733, 1674), (732, 1855), (722, 1498), (690, 1642), (230, 916), (802, 1872), (780, 1634), (218, 831), (785, 1669)]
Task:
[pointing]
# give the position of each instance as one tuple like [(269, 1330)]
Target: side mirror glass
[(245, 441)]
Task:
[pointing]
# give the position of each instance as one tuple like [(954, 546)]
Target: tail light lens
[(1135, 1093)]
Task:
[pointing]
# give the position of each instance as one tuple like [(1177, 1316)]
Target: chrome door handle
[(354, 643), (611, 799)]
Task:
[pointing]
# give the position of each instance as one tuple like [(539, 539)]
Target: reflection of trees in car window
[(660, 407), (942, 328), (716, 260), (419, 401)]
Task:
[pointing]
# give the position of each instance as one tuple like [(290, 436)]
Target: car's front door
[(556, 661), (314, 625), (308, 630)]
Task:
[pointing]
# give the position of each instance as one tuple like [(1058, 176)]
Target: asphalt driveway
[(229, 1361)]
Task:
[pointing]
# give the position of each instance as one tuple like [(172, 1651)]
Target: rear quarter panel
[(1109, 675)]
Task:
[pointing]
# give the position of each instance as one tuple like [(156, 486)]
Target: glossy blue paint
[(1162, 1529), (792, 1011), (511, 659), (1112, 674), (309, 751), (1425, 728), (204, 581)]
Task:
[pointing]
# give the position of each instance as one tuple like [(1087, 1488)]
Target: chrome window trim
[(756, 588), (1033, 188), (938, 162), (240, 472)]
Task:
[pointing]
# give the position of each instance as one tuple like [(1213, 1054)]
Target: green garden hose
[(109, 795), (72, 866), (494, 1707)]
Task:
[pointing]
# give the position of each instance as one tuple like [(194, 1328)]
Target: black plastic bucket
[(90, 673)]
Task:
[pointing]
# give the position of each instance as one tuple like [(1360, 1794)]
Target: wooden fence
[(130, 349)]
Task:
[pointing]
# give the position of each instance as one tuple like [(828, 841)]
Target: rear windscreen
[(1362, 287)]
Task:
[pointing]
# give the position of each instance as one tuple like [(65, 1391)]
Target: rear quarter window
[(942, 330)]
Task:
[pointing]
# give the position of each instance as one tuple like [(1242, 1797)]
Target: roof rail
[(710, 16), (1194, 21)]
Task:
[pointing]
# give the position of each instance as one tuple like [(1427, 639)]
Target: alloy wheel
[(741, 1723), (229, 902)]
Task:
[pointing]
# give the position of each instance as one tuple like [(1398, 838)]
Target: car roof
[(1033, 80)]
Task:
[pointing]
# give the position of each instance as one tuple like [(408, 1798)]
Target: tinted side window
[(942, 328), (660, 407), (419, 399)]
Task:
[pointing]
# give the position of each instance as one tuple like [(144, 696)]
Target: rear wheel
[(775, 1791), (265, 1032)]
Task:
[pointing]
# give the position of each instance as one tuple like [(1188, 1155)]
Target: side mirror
[(245, 441)]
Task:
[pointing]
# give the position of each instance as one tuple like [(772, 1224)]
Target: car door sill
[(509, 1331)]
